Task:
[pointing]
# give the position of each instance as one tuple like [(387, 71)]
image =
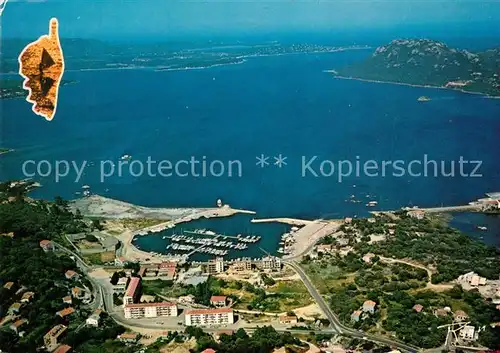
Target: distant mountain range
[(429, 62)]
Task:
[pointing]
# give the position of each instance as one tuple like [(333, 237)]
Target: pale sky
[(115, 18)]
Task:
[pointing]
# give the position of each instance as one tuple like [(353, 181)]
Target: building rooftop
[(45, 242), (369, 303), (129, 336), (143, 305), (57, 330), (70, 274), (418, 308), (209, 311), (132, 286), (27, 296), (8, 285), (19, 323), (65, 312), (218, 298), (122, 280), (209, 350), (62, 349)]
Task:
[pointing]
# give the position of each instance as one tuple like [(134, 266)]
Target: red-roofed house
[(70, 274), (64, 348), (67, 300), (418, 308), (209, 350), (218, 300), (369, 306), (47, 245), (137, 311), (133, 291)]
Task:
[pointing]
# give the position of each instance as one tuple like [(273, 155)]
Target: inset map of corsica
[(41, 64)]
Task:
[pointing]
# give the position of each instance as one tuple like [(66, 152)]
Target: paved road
[(337, 325)]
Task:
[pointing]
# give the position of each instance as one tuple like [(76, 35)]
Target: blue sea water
[(268, 105)]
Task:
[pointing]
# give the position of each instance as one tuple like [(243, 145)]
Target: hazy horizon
[(154, 19)]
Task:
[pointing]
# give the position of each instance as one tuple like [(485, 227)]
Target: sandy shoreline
[(408, 84)]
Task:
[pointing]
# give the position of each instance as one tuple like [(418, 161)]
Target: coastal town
[(335, 284)]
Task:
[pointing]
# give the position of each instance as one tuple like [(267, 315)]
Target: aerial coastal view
[(249, 177)]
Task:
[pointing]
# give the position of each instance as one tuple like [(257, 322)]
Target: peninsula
[(425, 62)]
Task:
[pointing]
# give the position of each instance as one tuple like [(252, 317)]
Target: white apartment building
[(121, 285), (138, 311), (209, 317)]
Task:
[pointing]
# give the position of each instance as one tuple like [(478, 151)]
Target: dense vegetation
[(428, 62), (397, 287), (23, 262), (263, 340)]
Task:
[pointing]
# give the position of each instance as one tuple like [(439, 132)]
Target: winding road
[(334, 320)]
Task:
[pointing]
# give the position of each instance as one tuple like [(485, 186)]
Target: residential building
[(216, 266), (93, 320), (128, 337), (324, 248), (77, 292), (417, 214), (16, 326), (51, 339), (166, 267), (418, 308), (209, 317), (270, 263), (187, 299), (142, 271), (8, 285), (218, 300), (121, 285), (64, 348), (209, 350), (70, 274), (26, 298), (137, 311), (133, 292), (368, 258), (460, 315), (14, 308), (67, 300), (356, 316), (47, 245), (65, 312), (369, 306), (243, 264), (347, 220), (441, 312), (467, 333), (288, 320)]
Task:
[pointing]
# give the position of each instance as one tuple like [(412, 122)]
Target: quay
[(291, 221)]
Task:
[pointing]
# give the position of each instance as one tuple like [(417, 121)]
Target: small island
[(428, 63), (423, 99)]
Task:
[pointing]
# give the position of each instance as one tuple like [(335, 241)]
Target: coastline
[(97, 206), (336, 76)]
